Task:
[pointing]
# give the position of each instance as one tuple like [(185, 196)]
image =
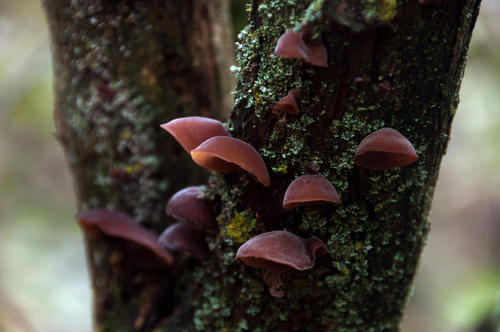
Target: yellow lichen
[(379, 207), (381, 10), (280, 169), (257, 99), (133, 168), (389, 10), (283, 169), (240, 227), (125, 134)]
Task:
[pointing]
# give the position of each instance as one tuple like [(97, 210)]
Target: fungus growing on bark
[(308, 190), (298, 45), (358, 80), (119, 225), (277, 252), (383, 149), (225, 154), (186, 206), (191, 131), (185, 237), (385, 86), (288, 103)]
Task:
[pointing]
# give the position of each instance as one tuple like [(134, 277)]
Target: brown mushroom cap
[(224, 154), (278, 251), (283, 248), (310, 189), (191, 131), (288, 104), (298, 45), (185, 237), (119, 225), (383, 149), (185, 205)]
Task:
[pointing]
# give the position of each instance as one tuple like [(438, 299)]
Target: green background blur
[(43, 279)]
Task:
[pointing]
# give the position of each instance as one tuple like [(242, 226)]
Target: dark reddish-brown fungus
[(298, 45), (385, 86), (308, 190), (225, 154), (278, 251), (288, 104), (119, 225), (384, 149), (185, 205), (191, 131), (185, 237)]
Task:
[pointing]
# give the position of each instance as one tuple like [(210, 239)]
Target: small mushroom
[(191, 131), (119, 225), (308, 190), (358, 80), (225, 154), (384, 149), (298, 45), (186, 206), (278, 251), (288, 104), (385, 86), (185, 237)]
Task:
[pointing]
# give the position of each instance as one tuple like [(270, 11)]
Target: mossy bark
[(391, 63), (121, 69)]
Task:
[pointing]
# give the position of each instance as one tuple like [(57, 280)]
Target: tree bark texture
[(391, 63), (121, 69)]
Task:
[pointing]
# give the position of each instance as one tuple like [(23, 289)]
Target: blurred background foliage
[(43, 279)]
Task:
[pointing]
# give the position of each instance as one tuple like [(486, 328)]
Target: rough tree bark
[(391, 63), (121, 69)]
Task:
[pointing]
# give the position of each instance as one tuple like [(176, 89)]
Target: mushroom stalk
[(272, 277)]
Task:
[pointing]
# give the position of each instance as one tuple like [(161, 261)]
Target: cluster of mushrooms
[(211, 146)]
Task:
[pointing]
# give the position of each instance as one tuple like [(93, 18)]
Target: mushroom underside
[(184, 237), (213, 163), (379, 160), (218, 164), (185, 205), (292, 204)]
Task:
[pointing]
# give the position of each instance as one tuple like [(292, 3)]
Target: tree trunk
[(391, 63), (121, 69)]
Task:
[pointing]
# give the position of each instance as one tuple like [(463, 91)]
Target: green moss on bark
[(121, 69), (393, 65)]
